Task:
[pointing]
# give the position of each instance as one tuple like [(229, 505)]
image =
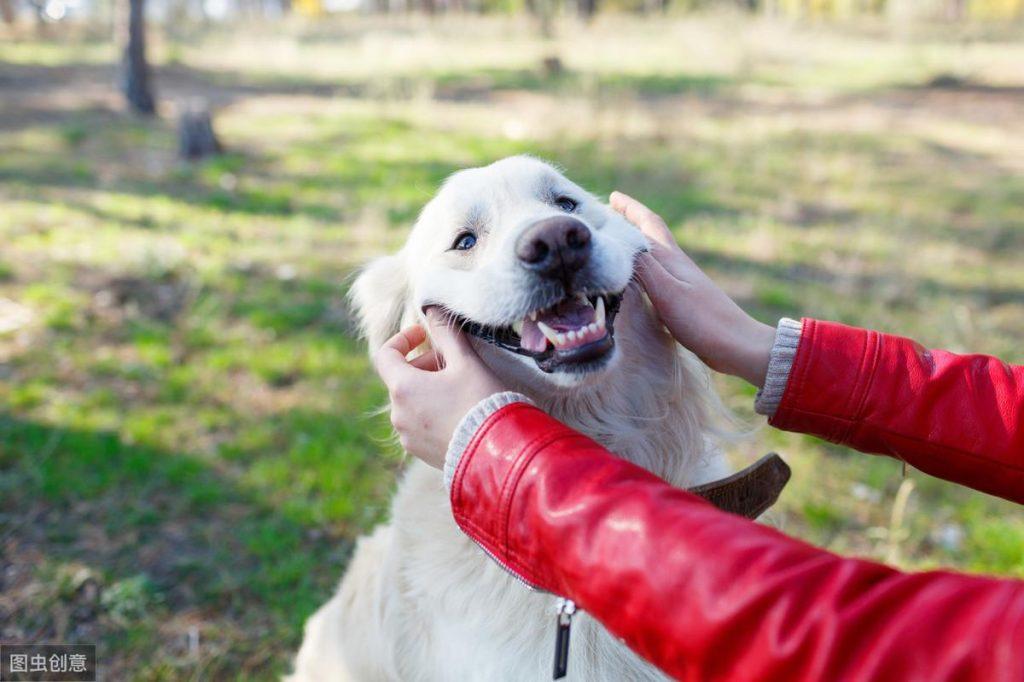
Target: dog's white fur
[(420, 601)]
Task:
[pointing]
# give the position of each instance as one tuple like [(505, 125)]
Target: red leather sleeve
[(706, 595), (958, 417)]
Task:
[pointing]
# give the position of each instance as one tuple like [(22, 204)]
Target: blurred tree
[(6, 11), (544, 12), (955, 10), (134, 67)]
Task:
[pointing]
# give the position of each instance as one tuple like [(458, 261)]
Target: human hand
[(431, 393), (695, 310)]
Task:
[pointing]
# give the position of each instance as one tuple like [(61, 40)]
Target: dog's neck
[(652, 408)]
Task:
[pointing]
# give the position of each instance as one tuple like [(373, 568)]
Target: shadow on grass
[(200, 546), (911, 292), (95, 149), (29, 170), (951, 83), (173, 81), (465, 85)]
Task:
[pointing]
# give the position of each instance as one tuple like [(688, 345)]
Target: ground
[(188, 435)]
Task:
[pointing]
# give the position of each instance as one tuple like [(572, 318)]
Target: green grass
[(187, 432)]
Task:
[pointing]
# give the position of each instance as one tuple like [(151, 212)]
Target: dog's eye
[(566, 204), (464, 242)]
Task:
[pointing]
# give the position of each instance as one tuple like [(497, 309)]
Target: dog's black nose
[(556, 247)]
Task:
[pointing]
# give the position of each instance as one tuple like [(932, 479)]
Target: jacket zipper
[(563, 622), (503, 566), (564, 607)]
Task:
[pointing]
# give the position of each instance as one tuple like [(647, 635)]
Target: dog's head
[(529, 263)]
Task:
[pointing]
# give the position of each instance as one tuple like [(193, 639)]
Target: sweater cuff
[(787, 338), (468, 427)]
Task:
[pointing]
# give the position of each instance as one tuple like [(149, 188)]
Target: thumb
[(448, 340)]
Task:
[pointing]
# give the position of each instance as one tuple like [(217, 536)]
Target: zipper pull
[(565, 608)]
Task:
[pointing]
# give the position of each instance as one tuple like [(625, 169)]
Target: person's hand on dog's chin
[(695, 310), (431, 393)]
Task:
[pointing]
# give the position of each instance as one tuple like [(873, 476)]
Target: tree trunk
[(6, 11), (587, 9), (543, 11), (134, 68)]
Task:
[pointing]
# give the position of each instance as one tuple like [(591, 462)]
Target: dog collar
[(751, 491)]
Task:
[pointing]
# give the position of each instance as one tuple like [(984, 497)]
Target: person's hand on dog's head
[(431, 393), (695, 310)]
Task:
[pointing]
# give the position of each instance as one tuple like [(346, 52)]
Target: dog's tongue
[(568, 315), (531, 338)]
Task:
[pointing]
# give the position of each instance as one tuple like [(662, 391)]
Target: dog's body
[(420, 601)]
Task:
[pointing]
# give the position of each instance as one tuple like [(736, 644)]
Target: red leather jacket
[(706, 595)]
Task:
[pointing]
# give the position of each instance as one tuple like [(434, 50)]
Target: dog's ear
[(379, 297)]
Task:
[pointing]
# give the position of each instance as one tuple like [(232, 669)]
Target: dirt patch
[(162, 298)]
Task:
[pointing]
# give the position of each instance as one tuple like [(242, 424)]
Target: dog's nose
[(555, 247)]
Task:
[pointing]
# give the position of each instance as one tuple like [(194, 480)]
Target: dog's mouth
[(576, 334)]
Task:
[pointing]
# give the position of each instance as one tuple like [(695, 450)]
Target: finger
[(674, 262), (649, 222), (428, 362), (667, 292), (390, 360), (446, 338), (653, 275)]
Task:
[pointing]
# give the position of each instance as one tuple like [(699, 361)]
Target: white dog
[(540, 273)]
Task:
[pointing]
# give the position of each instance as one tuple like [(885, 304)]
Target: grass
[(187, 446)]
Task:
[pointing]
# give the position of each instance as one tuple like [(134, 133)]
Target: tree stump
[(196, 139), (552, 67)]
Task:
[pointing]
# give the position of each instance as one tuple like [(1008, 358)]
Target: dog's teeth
[(560, 339), (572, 335), (533, 316), (592, 327), (548, 332), (517, 327), (600, 311), (583, 299)]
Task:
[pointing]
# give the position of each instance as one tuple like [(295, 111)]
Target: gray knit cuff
[(787, 338), (469, 425)]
